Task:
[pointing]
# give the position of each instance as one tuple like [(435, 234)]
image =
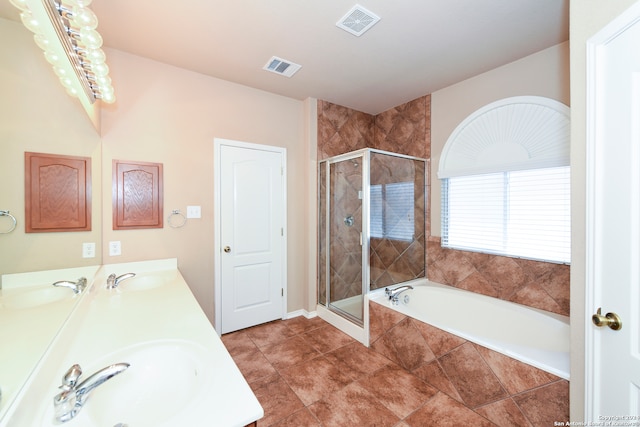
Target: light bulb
[(20, 4), (30, 22), (66, 81), (72, 3), (101, 80), (95, 56), (109, 98), (100, 69), (90, 38), (52, 57), (42, 42), (60, 72), (84, 18), (72, 91)]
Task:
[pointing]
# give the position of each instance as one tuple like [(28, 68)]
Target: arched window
[(506, 181)]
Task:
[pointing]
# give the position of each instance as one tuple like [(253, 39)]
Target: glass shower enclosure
[(371, 227)]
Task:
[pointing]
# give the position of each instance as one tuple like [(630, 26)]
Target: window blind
[(392, 211), (516, 213)]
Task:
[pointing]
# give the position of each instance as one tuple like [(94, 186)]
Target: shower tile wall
[(504, 390), (406, 129), (345, 249), (395, 261), (342, 130)]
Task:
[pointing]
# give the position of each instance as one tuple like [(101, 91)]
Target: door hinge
[(281, 292), (281, 231)]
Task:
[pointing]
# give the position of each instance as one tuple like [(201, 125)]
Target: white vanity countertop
[(154, 310)]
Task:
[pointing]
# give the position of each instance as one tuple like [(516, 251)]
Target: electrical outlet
[(193, 212), (114, 248), (88, 250)]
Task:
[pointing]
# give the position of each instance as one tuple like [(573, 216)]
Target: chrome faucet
[(76, 287), (68, 403), (113, 281), (393, 294)]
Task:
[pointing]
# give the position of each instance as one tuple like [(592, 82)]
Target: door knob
[(227, 249), (611, 320)]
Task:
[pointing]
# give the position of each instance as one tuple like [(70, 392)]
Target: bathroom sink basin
[(164, 379), (35, 297)]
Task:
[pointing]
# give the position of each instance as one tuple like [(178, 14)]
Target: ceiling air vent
[(281, 66), (358, 20)]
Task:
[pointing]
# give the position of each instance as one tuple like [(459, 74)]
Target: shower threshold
[(349, 307), (346, 322)]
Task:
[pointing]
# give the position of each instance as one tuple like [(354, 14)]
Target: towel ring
[(176, 223), (13, 226)]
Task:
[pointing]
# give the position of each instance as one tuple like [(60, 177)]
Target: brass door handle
[(227, 249), (611, 320)]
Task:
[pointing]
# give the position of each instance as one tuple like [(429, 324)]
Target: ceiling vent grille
[(281, 66), (358, 20)]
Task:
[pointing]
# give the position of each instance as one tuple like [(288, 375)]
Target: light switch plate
[(114, 248), (193, 212), (88, 250)]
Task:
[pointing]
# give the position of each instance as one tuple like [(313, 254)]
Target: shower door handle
[(227, 249)]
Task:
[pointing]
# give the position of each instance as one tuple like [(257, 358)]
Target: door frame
[(594, 144), (218, 143)]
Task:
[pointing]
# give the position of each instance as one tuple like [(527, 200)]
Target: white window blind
[(392, 211), (522, 213)]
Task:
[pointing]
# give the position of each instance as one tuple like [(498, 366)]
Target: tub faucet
[(393, 294), (113, 281), (68, 403), (76, 287)]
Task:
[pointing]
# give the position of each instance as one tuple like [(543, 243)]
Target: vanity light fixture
[(66, 31)]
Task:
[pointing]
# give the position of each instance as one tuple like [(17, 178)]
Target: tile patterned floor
[(305, 373)]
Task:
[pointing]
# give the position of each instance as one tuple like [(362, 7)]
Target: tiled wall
[(344, 245), (504, 390), (395, 261), (342, 130), (406, 129), (536, 284)]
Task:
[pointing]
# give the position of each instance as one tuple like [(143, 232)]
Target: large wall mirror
[(36, 115)]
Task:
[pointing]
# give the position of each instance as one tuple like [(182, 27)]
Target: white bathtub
[(532, 336)]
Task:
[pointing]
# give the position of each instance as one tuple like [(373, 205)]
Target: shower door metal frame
[(364, 233), (359, 329)]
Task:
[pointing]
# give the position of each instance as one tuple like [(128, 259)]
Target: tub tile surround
[(535, 284), (497, 387)]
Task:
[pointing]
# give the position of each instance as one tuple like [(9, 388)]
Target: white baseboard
[(301, 312)]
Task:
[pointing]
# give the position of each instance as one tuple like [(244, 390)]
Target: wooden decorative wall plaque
[(57, 193), (137, 195)]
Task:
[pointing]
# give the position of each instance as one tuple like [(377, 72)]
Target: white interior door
[(251, 239), (613, 221)]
